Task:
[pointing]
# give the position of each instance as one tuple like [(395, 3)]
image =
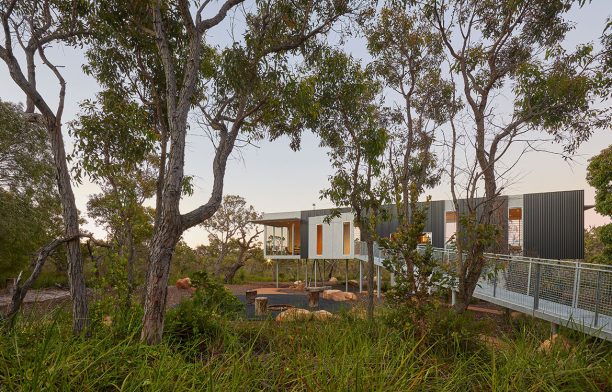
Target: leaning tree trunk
[(76, 276), (229, 276)]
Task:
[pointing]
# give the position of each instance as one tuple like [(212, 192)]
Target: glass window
[(346, 238)]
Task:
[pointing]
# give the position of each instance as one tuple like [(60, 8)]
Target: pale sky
[(274, 178)]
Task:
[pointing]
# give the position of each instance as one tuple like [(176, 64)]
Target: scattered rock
[(323, 315), (327, 294), (107, 321), (338, 295), (515, 315), (350, 296), (353, 283), (333, 280), (555, 340), (184, 283), (294, 314), (298, 285)]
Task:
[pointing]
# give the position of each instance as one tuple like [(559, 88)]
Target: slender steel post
[(597, 298), (306, 274), (315, 272), (346, 274), (378, 281), (494, 279), (536, 296), (575, 285), (529, 278), (292, 238), (360, 278), (276, 273)]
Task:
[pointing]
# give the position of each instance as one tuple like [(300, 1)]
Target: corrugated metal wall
[(554, 225), (435, 223)]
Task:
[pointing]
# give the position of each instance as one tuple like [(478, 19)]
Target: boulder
[(338, 295), (555, 340), (107, 321), (353, 283), (323, 315), (350, 296), (333, 280), (327, 294), (294, 314), (183, 283)]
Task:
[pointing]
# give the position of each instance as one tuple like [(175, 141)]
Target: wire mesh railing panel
[(595, 291), (571, 291)]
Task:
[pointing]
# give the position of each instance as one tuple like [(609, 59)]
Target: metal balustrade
[(574, 294)]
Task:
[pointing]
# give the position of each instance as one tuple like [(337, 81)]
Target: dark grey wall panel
[(435, 223), (554, 225), (500, 218)]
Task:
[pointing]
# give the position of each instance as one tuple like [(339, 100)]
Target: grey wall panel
[(435, 223), (388, 226), (304, 215), (500, 218), (554, 225)]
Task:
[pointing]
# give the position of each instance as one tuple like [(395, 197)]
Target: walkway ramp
[(572, 294)]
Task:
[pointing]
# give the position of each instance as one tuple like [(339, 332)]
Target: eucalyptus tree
[(243, 91), (114, 147), (352, 126), (599, 176), (229, 227), (29, 28), (407, 57), (511, 53)]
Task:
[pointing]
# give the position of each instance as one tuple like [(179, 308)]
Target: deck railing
[(571, 293)]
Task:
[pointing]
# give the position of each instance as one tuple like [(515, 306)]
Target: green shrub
[(439, 328), (202, 319)]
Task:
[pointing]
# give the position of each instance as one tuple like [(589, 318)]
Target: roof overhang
[(279, 219)]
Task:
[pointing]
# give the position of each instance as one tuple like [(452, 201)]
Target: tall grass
[(348, 354)]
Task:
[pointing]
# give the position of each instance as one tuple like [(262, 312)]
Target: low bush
[(202, 319)]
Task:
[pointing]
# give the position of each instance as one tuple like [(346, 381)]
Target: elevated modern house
[(536, 267), (542, 225)]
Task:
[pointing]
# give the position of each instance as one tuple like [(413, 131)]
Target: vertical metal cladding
[(499, 218), (435, 223), (554, 225)]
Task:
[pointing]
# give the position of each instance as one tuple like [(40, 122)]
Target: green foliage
[(599, 176), (352, 125), (213, 296), (30, 213), (202, 318), (415, 272), (439, 328), (343, 354), (598, 245)]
